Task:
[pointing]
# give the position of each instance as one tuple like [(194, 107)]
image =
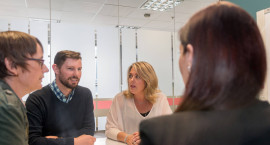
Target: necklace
[(145, 114)]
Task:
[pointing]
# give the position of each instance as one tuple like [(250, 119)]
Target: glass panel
[(80, 38), (129, 52), (155, 48), (40, 30), (108, 65)]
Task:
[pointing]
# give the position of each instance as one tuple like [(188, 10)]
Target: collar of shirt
[(59, 94)]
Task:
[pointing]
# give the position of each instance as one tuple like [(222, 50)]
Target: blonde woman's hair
[(146, 72)]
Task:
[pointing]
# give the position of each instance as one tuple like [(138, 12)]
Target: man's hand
[(84, 140)]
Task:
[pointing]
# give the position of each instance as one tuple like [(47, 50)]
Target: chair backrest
[(174, 101), (101, 108)]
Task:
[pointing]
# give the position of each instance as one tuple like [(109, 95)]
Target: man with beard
[(61, 113)]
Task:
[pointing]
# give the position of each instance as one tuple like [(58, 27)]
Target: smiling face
[(69, 74), (136, 84)]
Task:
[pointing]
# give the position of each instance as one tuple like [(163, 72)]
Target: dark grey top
[(13, 119), (244, 126)]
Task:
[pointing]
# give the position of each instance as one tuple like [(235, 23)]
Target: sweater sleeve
[(36, 115), (89, 120), (112, 126), (166, 109), (12, 128)]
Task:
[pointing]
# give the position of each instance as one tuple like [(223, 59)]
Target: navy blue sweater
[(48, 116)]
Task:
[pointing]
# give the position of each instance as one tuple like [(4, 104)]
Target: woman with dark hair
[(223, 64)]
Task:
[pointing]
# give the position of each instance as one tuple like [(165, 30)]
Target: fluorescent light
[(160, 5), (45, 20), (127, 27)]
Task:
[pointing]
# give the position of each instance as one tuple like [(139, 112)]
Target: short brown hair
[(61, 57), (147, 73), (16, 46)]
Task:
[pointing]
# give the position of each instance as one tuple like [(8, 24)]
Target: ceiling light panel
[(160, 5)]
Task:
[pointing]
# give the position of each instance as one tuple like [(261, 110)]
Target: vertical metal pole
[(49, 50), (172, 69), (96, 64), (28, 27), (120, 45), (172, 38), (96, 81), (136, 41), (8, 26), (121, 62), (49, 40)]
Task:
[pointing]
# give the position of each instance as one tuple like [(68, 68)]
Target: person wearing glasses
[(21, 72), (223, 64), (61, 113), (142, 100)]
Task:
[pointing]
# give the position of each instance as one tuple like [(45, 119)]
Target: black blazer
[(245, 126)]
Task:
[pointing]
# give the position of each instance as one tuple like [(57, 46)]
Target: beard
[(66, 83)]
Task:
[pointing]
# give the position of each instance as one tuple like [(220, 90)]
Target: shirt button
[(9, 92)]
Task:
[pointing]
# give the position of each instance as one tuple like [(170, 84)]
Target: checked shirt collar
[(59, 94)]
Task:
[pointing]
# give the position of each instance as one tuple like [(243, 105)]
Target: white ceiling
[(102, 12)]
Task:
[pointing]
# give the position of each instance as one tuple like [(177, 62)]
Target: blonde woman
[(141, 101)]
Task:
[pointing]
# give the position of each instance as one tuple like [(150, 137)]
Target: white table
[(107, 141), (101, 139)]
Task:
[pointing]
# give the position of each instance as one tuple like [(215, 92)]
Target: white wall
[(267, 44), (263, 21), (77, 38)]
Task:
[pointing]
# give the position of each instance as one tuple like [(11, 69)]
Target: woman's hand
[(129, 140), (136, 138)]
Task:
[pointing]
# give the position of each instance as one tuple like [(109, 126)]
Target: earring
[(189, 68)]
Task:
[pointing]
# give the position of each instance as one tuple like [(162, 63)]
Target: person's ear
[(55, 69), (189, 54), (11, 67)]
